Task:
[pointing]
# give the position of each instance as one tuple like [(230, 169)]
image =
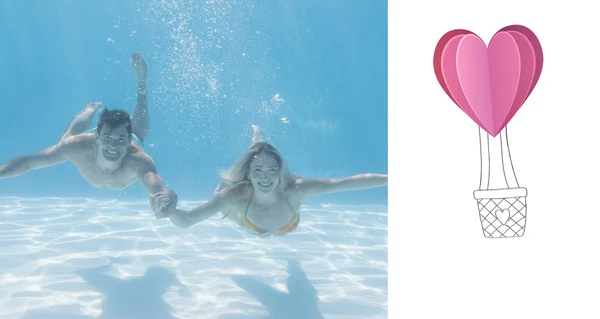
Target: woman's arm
[(313, 186), (220, 201)]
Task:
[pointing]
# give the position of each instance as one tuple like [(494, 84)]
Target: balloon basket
[(502, 212)]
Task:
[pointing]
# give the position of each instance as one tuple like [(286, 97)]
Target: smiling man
[(109, 156)]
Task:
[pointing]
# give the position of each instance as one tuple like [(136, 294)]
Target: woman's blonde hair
[(238, 173)]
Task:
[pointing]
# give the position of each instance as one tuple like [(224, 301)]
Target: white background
[(441, 265)]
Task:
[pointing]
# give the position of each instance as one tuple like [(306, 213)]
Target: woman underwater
[(261, 196)]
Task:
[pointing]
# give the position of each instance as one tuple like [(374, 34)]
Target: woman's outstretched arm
[(220, 201), (313, 186)]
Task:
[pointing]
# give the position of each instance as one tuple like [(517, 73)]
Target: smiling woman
[(260, 194)]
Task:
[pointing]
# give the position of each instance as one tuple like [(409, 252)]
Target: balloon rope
[(507, 165), (484, 151)]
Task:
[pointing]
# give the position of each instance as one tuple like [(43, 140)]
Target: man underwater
[(109, 156)]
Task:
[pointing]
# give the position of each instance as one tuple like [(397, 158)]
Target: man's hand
[(163, 203)]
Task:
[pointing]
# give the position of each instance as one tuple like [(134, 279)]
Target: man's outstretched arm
[(20, 165)]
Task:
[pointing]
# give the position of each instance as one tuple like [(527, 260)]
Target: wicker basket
[(502, 210)]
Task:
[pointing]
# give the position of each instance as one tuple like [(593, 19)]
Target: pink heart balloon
[(539, 61), (490, 84), (453, 83)]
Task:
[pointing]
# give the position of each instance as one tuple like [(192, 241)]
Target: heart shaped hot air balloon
[(490, 84)]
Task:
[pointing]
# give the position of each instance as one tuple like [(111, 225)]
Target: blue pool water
[(312, 74)]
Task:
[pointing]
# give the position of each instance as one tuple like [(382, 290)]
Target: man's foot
[(83, 120), (141, 72), (89, 110), (95, 106)]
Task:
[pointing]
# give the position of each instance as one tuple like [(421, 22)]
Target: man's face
[(113, 142)]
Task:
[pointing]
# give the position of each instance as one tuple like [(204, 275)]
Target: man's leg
[(139, 117), (83, 120)]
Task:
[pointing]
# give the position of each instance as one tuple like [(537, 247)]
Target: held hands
[(163, 203)]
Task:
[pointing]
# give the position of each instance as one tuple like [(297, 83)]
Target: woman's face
[(264, 173)]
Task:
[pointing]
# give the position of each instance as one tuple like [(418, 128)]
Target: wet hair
[(238, 173), (114, 118)]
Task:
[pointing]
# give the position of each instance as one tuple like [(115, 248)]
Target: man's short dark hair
[(114, 118)]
